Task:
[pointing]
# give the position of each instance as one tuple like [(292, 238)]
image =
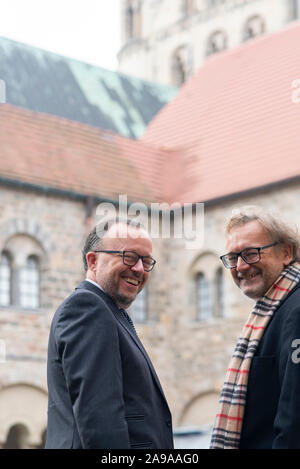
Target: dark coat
[(272, 412), (103, 390)]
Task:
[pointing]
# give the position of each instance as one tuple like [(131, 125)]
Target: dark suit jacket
[(272, 413), (103, 390)]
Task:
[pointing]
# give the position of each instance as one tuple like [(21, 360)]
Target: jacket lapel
[(124, 323), (122, 320)]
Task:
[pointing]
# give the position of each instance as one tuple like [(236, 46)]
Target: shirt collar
[(95, 283), (99, 286)]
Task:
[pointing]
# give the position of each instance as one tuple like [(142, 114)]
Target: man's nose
[(138, 267), (241, 265)]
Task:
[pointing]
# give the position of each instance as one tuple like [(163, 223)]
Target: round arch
[(217, 42), (206, 261), (253, 26), (24, 226), (23, 406), (200, 411), (17, 437)]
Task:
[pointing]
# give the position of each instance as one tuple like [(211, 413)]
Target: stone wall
[(190, 356), (57, 227)]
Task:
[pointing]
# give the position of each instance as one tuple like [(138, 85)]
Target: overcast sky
[(88, 30)]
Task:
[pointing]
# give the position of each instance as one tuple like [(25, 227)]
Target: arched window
[(129, 21), (180, 65), (254, 26), (138, 308), (5, 279), (23, 409), (203, 295), (29, 283), (20, 268), (17, 437), (133, 19), (217, 42), (219, 290), (207, 287)]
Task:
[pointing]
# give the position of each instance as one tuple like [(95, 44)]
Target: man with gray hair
[(260, 401), (103, 389)]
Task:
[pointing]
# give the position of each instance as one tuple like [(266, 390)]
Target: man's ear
[(91, 259), (288, 254)]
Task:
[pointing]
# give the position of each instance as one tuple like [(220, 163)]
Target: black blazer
[(272, 412), (103, 389)]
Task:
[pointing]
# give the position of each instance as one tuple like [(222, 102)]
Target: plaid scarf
[(229, 420)]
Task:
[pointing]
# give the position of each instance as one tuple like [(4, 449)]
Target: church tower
[(166, 41)]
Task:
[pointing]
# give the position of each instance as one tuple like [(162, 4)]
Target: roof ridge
[(132, 78)]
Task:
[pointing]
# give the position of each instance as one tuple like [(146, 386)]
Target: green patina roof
[(46, 82)]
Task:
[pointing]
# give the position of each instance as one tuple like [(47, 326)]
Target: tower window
[(180, 66), (133, 19), (255, 26), (216, 42)]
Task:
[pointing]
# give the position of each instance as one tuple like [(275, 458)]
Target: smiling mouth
[(249, 277), (132, 281)]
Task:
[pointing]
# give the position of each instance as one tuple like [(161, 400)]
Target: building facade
[(167, 41), (222, 145), (189, 322)]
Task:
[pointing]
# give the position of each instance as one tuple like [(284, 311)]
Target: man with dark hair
[(260, 400), (103, 389)]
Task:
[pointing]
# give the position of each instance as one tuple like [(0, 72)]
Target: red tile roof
[(54, 152), (235, 123), (233, 127)]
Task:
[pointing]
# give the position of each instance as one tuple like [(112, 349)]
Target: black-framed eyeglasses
[(249, 255), (131, 258)]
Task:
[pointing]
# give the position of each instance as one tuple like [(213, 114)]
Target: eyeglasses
[(249, 255), (131, 258)]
